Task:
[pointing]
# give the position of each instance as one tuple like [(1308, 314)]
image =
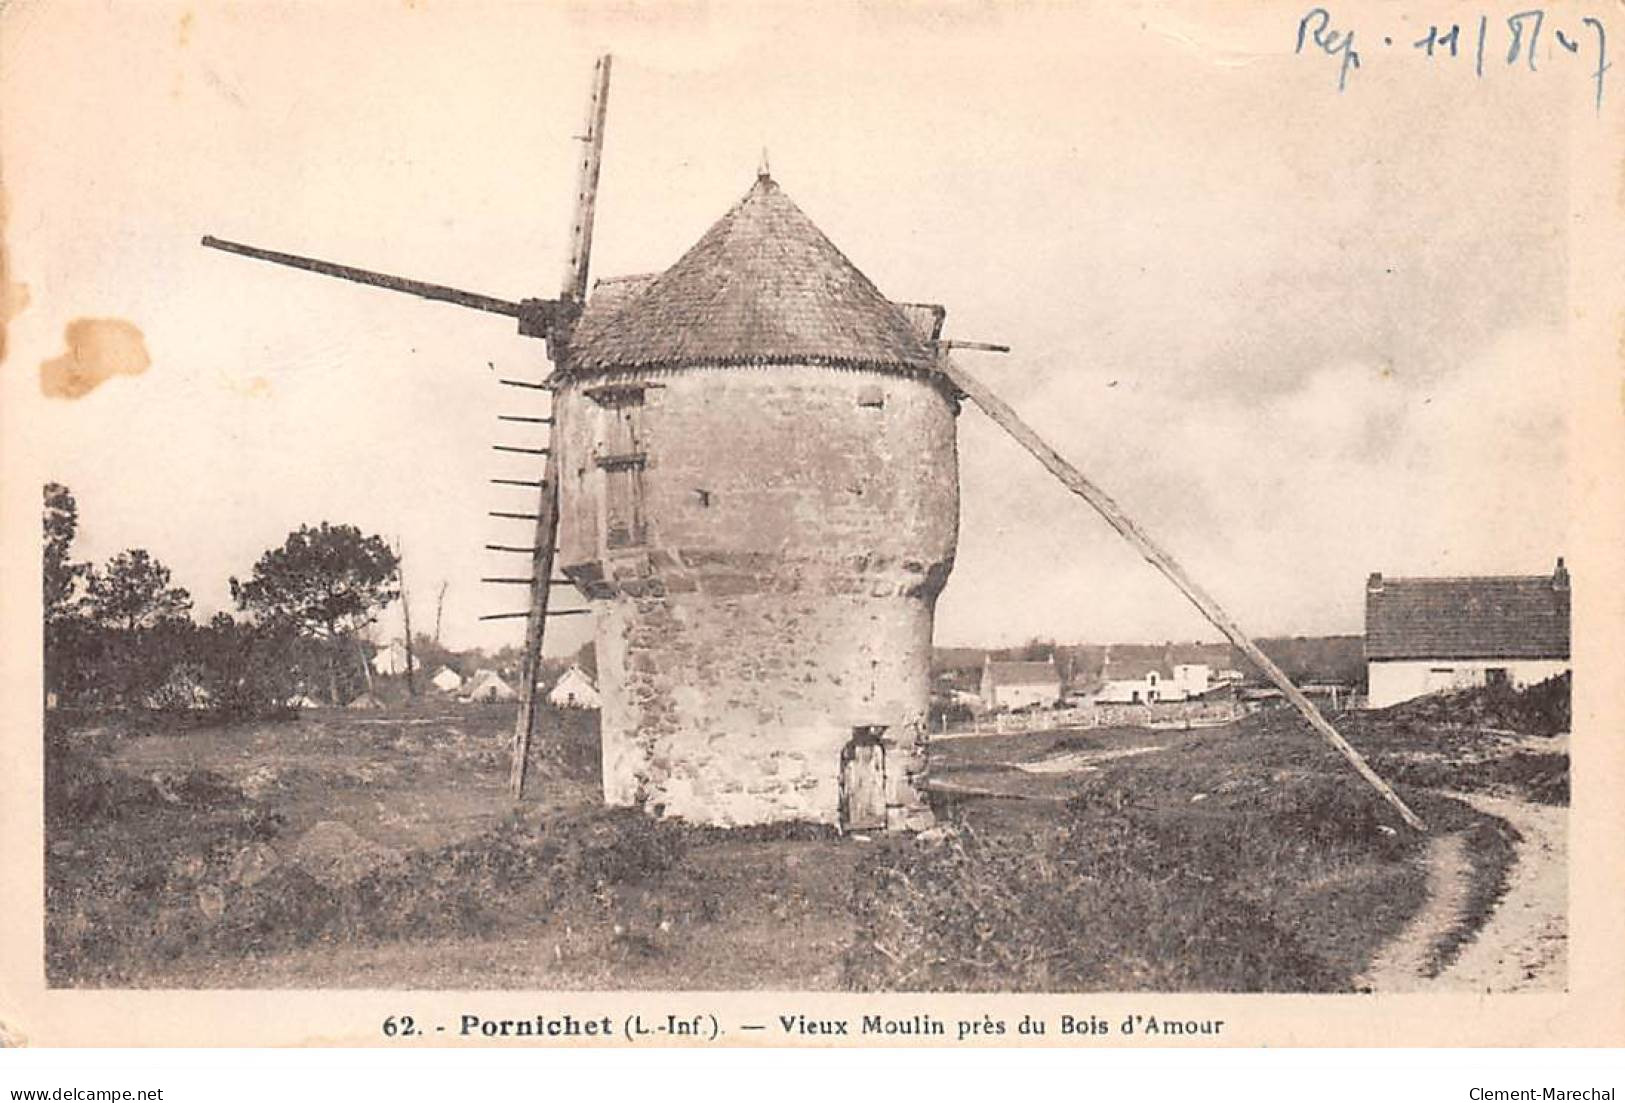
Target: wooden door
[(621, 456), (863, 782)]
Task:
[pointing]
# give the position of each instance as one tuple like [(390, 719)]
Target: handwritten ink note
[(1522, 41)]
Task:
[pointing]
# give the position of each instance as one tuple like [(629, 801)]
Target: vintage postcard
[(875, 524)]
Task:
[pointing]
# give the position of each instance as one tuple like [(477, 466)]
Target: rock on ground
[(335, 853)]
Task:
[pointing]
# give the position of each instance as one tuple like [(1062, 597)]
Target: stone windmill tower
[(759, 493), (752, 477)]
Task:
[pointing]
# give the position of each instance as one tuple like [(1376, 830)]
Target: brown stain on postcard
[(98, 349)]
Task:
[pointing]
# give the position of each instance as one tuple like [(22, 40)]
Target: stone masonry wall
[(798, 523)]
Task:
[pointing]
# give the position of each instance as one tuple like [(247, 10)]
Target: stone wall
[(797, 524)]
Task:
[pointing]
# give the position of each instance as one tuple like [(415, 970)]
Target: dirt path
[(1400, 966), (1524, 946), (1073, 762)]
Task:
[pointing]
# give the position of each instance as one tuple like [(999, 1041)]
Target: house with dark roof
[(1013, 685), (1432, 635)]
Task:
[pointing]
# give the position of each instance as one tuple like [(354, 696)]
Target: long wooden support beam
[(1075, 481), (437, 292)]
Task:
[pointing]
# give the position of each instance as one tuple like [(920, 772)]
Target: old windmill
[(753, 477)]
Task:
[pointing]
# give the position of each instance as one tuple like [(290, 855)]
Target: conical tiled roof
[(764, 285)]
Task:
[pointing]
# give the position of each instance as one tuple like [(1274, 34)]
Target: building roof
[(1133, 669), (575, 673), (1024, 673), (607, 298), (1132, 662), (762, 286), (1494, 617)]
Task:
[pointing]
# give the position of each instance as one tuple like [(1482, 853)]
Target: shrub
[(1102, 902), (1541, 709)]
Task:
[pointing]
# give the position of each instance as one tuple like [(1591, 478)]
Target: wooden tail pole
[(1075, 481)]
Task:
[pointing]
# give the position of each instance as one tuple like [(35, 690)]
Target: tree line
[(122, 634)]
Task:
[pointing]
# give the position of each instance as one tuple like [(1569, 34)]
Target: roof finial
[(762, 170)]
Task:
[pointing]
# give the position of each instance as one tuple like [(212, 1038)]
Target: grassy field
[(380, 849)]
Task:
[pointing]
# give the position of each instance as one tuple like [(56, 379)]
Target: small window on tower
[(622, 458), (871, 395), (623, 506)]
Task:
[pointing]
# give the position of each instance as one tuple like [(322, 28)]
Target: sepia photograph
[(823, 514)]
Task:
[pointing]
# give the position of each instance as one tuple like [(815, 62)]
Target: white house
[(574, 690), (487, 685), (1159, 681), (1014, 685), (447, 680), (1190, 680), (391, 660), (1429, 635)]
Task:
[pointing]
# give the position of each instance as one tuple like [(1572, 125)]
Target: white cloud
[(1279, 503)]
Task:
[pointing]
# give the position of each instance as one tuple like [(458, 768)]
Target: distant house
[(1134, 678), (574, 690), (391, 660), (447, 680), (487, 685), (1427, 635), (1014, 685)]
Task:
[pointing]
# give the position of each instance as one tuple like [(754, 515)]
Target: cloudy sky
[(1301, 336)]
